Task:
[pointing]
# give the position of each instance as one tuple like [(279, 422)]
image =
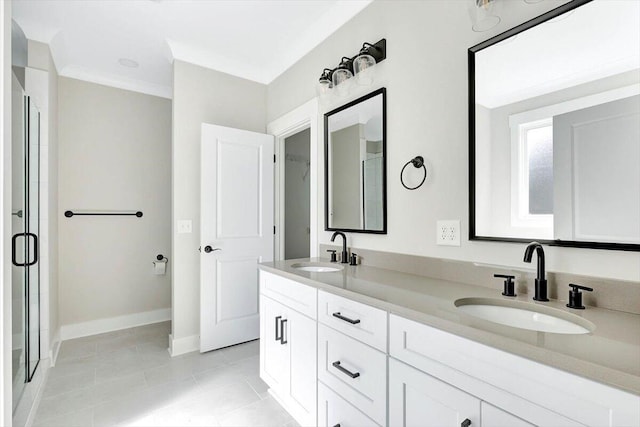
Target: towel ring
[(417, 162)]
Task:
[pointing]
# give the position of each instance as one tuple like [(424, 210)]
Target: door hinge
[(274, 229), (274, 158)]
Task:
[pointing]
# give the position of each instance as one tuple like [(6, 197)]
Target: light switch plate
[(184, 226), (448, 232)]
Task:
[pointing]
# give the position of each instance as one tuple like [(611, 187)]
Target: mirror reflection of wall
[(557, 128), (297, 166), (355, 165)]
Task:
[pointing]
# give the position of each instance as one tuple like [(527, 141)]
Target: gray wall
[(200, 95), (345, 178), (426, 76), (114, 154)]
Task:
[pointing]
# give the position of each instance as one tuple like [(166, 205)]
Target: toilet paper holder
[(160, 266)]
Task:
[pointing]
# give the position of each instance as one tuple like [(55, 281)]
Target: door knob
[(209, 249)]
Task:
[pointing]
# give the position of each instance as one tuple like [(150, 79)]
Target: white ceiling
[(253, 39), (597, 40)]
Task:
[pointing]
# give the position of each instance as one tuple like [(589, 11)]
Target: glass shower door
[(19, 250), (25, 280)]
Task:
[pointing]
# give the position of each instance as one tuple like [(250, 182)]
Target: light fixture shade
[(482, 14), (323, 88), (339, 77), (362, 68)]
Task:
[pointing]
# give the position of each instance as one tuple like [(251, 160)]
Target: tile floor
[(127, 378)]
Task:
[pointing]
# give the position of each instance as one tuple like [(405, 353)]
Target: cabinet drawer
[(360, 321), (419, 400), (333, 410), (355, 371), (296, 295)]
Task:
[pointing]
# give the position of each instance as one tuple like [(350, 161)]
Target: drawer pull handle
[(345, 371), (278, 338), (465, 423), (337, 425), (346, 319), (282, 340)]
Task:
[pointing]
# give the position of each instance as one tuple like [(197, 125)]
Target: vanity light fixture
[(362, 64), (359, 66), (325, 84), (482, 15), (341, 74)]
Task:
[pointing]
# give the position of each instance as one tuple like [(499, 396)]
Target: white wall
[(5, 216), (200, 95), (426, 76), (114, 155)]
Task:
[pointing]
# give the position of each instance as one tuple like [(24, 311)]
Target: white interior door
[(236, 232)]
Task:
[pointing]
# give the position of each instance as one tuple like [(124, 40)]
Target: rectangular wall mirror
[(355, 169), (554, 116)]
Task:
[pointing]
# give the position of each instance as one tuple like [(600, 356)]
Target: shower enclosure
[(24, 242)]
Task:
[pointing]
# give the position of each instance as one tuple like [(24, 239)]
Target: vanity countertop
[(610, 354)]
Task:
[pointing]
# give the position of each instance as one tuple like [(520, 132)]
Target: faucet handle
[(509, 285), (575, 296), (354, 259), (333, 255)]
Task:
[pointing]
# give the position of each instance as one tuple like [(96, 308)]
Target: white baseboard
[(100, 326), (55, 348), (30, 399), (183, 345)]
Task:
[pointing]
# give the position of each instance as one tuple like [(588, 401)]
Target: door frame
[(297, 120)]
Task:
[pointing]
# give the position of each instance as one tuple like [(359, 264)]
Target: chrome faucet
[(345, 255), (541, 281)]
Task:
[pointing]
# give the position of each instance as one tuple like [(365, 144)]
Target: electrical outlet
[(448, 232), (184, 226)]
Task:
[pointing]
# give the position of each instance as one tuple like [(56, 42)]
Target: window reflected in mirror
[(555, 138)]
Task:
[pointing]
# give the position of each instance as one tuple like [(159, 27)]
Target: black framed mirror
[(554, 129), (355, 171)]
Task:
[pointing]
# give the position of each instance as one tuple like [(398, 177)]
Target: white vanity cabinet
[(334, 361), (288, 347)]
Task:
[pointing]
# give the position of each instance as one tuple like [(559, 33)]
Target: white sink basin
[(523, 315), (317, 267)]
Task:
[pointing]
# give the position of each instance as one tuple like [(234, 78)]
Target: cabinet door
[(300, 335), (274, 353), (417, 399), (494, 417)]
